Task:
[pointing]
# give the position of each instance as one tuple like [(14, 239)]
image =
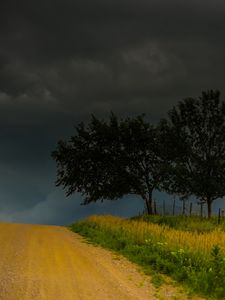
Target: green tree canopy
[(107, 160), (198, 127)]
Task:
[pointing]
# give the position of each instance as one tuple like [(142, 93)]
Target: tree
[(86, 163), (109, 160), (198, 126), (144, 156)]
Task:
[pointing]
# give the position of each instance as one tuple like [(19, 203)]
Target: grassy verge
[(193, 258), (193, 223)]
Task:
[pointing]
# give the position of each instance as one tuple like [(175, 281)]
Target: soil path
[(39, 262)]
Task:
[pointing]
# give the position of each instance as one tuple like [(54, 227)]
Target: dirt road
[(40, 262)]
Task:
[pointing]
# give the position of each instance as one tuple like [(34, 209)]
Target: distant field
[(189, 249)]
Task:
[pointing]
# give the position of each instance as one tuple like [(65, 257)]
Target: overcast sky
[(60, 61)]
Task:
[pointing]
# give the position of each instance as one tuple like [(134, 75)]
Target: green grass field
[(188, 249)]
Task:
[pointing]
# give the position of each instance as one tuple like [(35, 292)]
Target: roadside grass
[(192, 257), (186, 223)]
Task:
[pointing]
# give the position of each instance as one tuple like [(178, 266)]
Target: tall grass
[(193, 257), (140, 231), (186, 223)]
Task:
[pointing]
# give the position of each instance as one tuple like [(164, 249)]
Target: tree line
[(184, 154)]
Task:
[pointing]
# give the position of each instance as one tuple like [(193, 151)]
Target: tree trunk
[(209, 204), (148, 203)]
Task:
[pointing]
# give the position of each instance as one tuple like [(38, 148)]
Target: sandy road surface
[(40, 262), (52, 263)]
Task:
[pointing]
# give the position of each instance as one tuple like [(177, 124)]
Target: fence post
[(174, 201), (190, 212), (219, 216), (164, 209), (155, 208), (183, 206)]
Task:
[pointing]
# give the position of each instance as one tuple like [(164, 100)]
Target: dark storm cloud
[(60, 61), (109, 51)]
